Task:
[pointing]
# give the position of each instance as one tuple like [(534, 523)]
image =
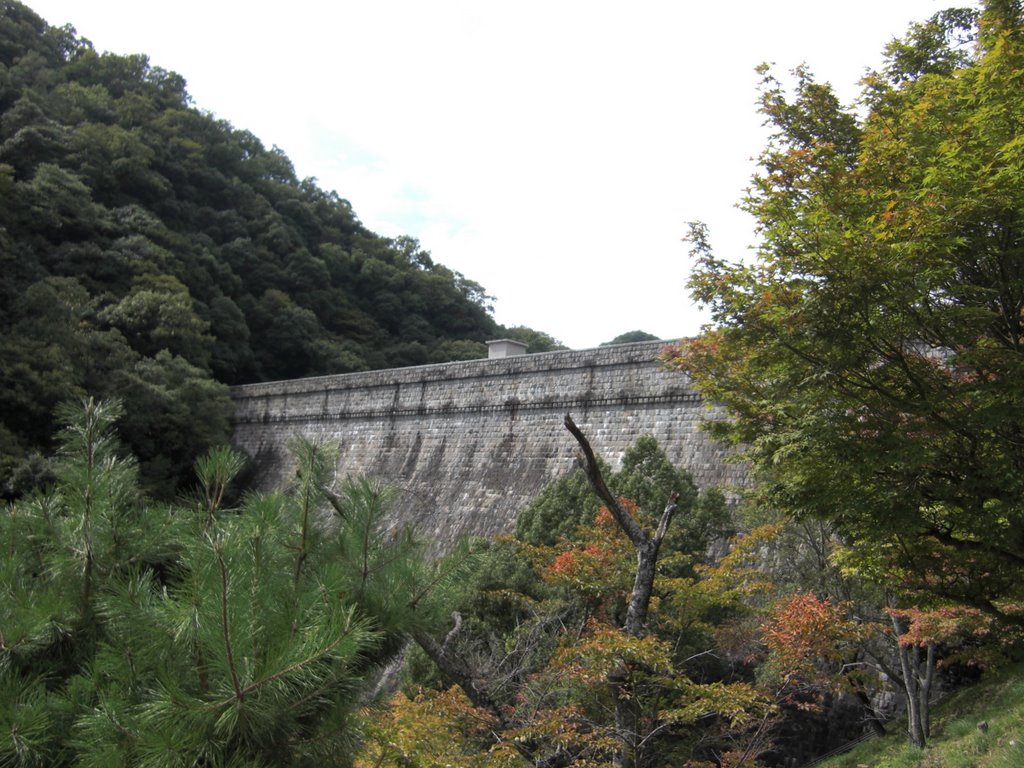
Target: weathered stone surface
[(471, 443)]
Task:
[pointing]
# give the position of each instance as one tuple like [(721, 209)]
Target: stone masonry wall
[(471, 443)]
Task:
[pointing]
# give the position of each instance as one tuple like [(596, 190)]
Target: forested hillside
[(153, 252)]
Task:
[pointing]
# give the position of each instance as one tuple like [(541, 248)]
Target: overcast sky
[(551, 151)]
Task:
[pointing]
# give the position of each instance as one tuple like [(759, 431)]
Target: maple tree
[(816, 644), (858, 638), (923, 638), (871, 358), (802, 632)]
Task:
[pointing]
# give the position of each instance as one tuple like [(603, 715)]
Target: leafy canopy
[(871, 358)]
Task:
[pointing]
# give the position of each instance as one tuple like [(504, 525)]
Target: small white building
[(505, 348)]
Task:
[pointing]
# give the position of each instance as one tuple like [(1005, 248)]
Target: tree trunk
[(916, 694), (908, 662), (625, 723), (456, 669), (647, 547), (925, 691)]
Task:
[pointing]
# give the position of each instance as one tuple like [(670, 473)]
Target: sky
[(551, 151)]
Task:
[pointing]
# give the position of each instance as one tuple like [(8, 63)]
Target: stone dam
[(470, 443)]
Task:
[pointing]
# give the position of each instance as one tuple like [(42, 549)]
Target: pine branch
[(218, 548), (310, 658)]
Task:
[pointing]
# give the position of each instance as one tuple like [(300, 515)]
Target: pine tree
[(195, 634)]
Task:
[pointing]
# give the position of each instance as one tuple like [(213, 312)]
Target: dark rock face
[(471, 443)]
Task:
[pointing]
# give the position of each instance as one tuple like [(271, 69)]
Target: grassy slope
[(956, 740)]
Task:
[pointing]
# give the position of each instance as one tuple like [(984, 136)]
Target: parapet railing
[(513, 405)]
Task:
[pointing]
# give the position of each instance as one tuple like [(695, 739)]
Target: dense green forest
[(152, 252)]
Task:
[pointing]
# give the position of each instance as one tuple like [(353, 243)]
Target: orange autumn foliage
[(805, 638)]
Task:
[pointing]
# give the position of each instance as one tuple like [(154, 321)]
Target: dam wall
[(470, 443)]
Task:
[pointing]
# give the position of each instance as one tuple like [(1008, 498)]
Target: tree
[(156, 315), (561, 508), (802, 634), (840, 623), (174, 413), (871, 360), (433, 729), (647, 477), (536, 341), (629, 337), (133, 634)]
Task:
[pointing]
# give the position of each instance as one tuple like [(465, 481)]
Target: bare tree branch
[(646, 546), (588, 461)]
